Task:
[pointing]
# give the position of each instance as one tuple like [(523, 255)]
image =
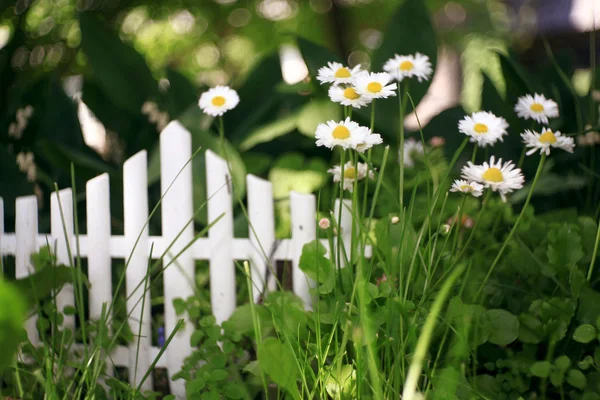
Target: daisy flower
[(501, 178), (337, 73), (545, 140), (351, 174), (483, 128), (347, 134), (374, 85), (473, 188), (412, 147), (536, 107), (417, 65), (347, 96), (368, 140), (218, 100)]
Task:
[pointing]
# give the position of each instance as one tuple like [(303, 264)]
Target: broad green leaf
[(564, 248), (120, 70), (234, 391), (314, 263), (288, 314), (316, 112), (541, 369), (588, 229), (270, 131), (341, 382), (562, 362), (278, 361), (589, 306), (505, 327), (584, 333), (576, 378), (241, 322), (530, 329), (195, 386), (12, 317)]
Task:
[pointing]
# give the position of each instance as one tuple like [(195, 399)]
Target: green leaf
[(270, 131), (505, 327), (314, 263), (316, 112), (562, 363), (241, 322), (588, 229), (12, 317), (410, 20), (576, 378), (564, 248), (121, 71), (589, 306), (196, 338), (217, 375), (234, 391), (541, 369), (530, 329), (584, 333), (195, 386), (341, 382), (278, 361)]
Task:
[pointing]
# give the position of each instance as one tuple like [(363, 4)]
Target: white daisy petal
[(337, 73), (483, 128), (536, 107), (367, 140), (351, 174), (218, 100), (374, 85), (409, 66), (346, 134), (545, 140), (501, 178), (473, 188), (412, 147), (347, 96)]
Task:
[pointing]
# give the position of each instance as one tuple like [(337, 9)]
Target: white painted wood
[(177, 212), (63, 242), (345, 226), (303, 210), (135, 198), (220, 237), (261, 230), (26, 231), (1, 235)]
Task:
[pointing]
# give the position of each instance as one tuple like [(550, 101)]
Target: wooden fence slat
[(26, 229), (177, 212), (61, 229), (135, 201), (1, 234), (345, 225), (220, 235), (261, 230), (303, 210), (98, 250)]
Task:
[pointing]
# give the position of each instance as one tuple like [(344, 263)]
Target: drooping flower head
[(536, 107), (374, 85), (351, 174), (337, 73), (348, 96), (483, 128), (368, 140), (545, 140), (501, 178), (218, 100), (409, 66), (346, 134), (473, 188), (412, 147)]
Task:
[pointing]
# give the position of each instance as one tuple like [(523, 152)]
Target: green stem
[(401, 149), (538, 173), (222, 136), (595, 253)]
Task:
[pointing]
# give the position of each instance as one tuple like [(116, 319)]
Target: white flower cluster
[(26, 164), (155, 116), (15, 129), (346, 134), (351, 174), (218, 100)]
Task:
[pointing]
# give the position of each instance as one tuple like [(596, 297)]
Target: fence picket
[(61, 228), (1, 234), (135, 210), (220, 235), (99, 261), (26, 230), (345, 225), (303, 209), (177, 212)]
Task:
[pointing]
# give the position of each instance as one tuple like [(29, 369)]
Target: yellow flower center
[(374, 87), (342, 73), (480, 128), (466, 188), (218, 101), (406, 66), (351, 94), (349, 173), (341, 132), (537, 107), (548, 137), (493, 175)]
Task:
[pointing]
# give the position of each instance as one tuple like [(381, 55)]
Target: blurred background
[(92, 82)]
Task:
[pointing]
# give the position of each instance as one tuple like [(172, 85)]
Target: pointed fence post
[(135, 210), (98, 250), (304, 210), (220, 237), (177, 212), (26, 231), (61, 228), (1, 234)]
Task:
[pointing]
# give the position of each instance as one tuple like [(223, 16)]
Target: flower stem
[(401, 149), (594, 254), (222, 136), (538, 173)]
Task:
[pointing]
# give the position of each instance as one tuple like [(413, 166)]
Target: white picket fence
[(220, 248)]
